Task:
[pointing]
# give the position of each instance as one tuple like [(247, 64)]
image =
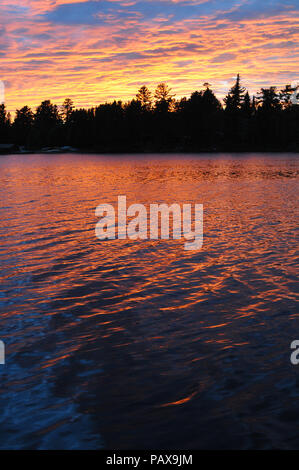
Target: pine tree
[(145, 98), (23, 124), (67, 109), (269, 99), (164, 99), (235, 97), (246, 105)]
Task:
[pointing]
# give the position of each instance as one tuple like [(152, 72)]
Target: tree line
[(158, 122)]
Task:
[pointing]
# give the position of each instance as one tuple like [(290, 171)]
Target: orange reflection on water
[(147, 314), (180, 402)]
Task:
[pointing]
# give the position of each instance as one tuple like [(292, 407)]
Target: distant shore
[(13, 150)]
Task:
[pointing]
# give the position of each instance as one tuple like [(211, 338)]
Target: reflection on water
[(140, 344)]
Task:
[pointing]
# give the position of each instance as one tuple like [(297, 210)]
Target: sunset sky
[(93, 51)]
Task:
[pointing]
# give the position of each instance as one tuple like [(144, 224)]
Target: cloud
[(255, 9), (166, 11), (226, 56)]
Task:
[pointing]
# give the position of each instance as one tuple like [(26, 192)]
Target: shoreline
[(148, 152)]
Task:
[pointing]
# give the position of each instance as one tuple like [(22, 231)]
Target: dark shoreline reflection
[(124, 344)]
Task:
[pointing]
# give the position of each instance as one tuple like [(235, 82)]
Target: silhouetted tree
[(47, 114), (48, 123), (235, 123), (269, 99), (210, 103), (235, 97), (164, 99), (269, 120), (247, 105), (22, 125), (4, 124), (145, 98), (67, 109)]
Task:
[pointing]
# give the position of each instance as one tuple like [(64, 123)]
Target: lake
[(140, 344)]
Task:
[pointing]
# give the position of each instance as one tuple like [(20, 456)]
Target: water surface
[(125, 344)]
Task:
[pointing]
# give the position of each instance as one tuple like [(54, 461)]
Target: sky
[(101, 50)]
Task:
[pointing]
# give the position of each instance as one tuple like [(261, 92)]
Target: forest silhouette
[(268, 121)]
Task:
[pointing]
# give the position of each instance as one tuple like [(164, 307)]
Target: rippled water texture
[(140, 344)]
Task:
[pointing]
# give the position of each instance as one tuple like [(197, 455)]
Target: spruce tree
[(235, 97)]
